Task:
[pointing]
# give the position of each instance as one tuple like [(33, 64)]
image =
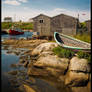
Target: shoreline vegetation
[(47, 59), (64, 69), (21, 25), (29, 26), (65, 53), (86, 37)]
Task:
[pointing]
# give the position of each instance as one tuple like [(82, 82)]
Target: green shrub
[(83, 25), (84, 55), (83, 37), (64, 53)]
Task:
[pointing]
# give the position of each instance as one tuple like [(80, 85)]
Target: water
[(25, 35), (43, 85), (8, 59)]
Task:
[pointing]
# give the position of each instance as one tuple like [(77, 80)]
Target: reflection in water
[(10, 83), (25, 35), (6, 87), (6, 61)]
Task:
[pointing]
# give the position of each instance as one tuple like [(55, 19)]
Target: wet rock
[(82, 89), (34, 58), (78, 73), (9, 52), (27, 52), (16, 53), (48, 65), (79, 65), (5, 47), (35, 71), (44, 47), (28, 88), (44, 54), (13, 65), (30, 64), (61, 78), (55, 72), (26, 63), (32, 80), (75, 79), (13, 72), (22, 57), (21, 61), (54, 62), (14, 82)]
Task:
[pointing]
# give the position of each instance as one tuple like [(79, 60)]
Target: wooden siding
[(42, 28), (62, 23)]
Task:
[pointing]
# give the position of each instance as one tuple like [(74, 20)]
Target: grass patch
[(8, 25), (84, 55), (63, 53), (83, 37), (66, 53)]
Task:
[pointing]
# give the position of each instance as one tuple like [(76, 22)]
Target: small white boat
[(71, 43)]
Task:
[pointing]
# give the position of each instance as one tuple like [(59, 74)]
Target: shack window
[(41, 21)]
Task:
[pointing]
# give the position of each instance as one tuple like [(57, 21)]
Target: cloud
[(82, 17), (26, 8), (11, 2), (26, 13), (59, 9), (23, 1), (14, 2)]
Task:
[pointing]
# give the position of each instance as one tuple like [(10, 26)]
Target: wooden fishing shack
[(46, 26)]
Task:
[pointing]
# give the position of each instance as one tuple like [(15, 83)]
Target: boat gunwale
[(72, 38), (71, 47)]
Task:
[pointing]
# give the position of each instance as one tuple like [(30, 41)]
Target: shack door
[(40, 26)]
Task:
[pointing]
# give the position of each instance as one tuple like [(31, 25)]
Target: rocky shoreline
[(40, 61)]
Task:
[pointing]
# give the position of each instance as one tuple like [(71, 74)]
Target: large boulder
[(76, 79), (44, 47), (78, 73), (26, 88), (53, 62), (26, 63), (45, 53), (79, 65), (55, 72), (82, 89), (37, 71), (13, 72)]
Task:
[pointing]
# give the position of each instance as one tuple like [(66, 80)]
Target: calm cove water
[(25, 35), (8, 59)]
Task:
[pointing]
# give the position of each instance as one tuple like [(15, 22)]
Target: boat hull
[(71, 43), (13, 32)]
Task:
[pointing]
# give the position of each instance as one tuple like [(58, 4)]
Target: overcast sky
[(25, 9)]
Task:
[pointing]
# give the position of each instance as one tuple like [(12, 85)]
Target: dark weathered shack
[(42, 25), (64, 24), (46, 26)]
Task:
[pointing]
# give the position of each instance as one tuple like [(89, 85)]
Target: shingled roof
[(41, 15)]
